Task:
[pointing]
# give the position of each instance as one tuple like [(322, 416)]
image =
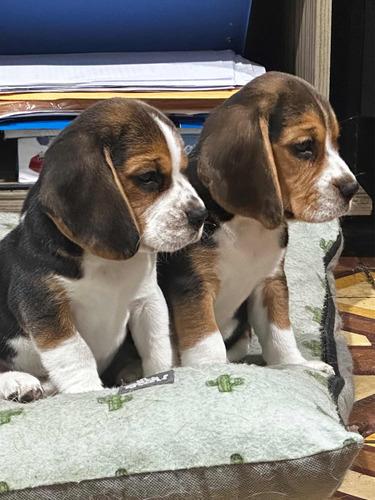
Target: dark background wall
[(352, 94), (352, 91), (267, 40)]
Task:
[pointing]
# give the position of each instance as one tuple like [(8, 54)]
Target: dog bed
[(228, 432)]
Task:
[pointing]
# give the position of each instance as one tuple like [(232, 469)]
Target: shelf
[(75, 102), (12, 201)]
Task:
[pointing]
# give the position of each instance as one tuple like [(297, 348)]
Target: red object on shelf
[(36, 162)]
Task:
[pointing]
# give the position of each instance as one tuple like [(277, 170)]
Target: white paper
[(23, 133), (131, 71)]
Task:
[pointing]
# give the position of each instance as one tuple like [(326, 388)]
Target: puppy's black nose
[(348, 188), (196, 217)]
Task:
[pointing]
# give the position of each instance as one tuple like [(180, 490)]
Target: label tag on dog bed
[(157, 379)]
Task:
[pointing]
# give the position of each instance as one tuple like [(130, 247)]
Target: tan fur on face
[(298, 177), (148, 151), (276, 300), (157, 159)]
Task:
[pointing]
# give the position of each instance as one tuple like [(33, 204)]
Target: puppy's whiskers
[(305, 213)]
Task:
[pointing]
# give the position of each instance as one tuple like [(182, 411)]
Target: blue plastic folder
[(70, 26), (25, 124)]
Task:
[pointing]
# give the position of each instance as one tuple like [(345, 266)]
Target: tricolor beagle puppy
[(267, 155), (81, 265)]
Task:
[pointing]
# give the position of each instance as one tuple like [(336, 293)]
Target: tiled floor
[(355, 283)]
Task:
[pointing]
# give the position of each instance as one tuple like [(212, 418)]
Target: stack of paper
[(141, 71), (41, 94)]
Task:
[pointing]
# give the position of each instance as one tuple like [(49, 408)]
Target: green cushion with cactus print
[(226, 432), (224, 416)]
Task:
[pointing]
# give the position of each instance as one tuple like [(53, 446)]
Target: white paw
[(151, 367), (319, 366), (196, 360), (20, 386), (209, 351)]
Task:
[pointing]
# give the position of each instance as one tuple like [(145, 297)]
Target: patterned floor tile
[(354, 339), (363, 359), (362, 307), (358, 324), (355, 283), (363, 415), (364, 386), (365, 461), (345, 496), (356, 294), (358, 484)]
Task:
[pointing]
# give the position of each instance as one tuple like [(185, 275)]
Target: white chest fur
[(248, 252), (102, 299)]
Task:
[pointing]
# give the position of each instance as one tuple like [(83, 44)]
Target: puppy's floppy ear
[(79, 189), (236, 162)]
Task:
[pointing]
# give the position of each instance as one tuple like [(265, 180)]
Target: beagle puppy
[(266, 156), (81, 266)]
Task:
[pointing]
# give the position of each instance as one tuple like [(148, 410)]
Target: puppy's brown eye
[(148, 177), (150, 181), (303, 150)]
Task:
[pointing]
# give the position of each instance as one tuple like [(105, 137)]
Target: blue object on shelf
[(186, 122), (69, 26), (191, 122), (34, 124)]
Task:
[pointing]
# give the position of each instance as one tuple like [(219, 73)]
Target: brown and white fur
[(81, 266), (267, 155)]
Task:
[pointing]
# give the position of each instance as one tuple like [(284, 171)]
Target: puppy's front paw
[(319, 366), (209, 351), (20, 386)]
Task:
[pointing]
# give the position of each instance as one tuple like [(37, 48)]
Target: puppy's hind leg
[(269, 316), (200, 341)]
